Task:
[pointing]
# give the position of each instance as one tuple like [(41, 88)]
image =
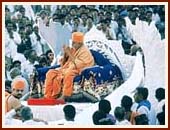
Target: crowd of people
[(139, 112), (26, 50), (130, 113)]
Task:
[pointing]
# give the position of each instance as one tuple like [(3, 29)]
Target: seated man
[(12, 101), (60, 82)]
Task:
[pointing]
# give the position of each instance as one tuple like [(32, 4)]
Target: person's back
[(100, 118), (69, 113), (105, 106), (161, 118), (27, 117), (141, 120), (126, 103), (160, 96), (119, 113)]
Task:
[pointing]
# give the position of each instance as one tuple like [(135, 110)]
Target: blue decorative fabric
[(99, 58), (104, 72), (42, 71), (78, 79)]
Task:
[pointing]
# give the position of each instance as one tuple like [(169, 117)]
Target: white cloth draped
[(55, 34), (148, 37)]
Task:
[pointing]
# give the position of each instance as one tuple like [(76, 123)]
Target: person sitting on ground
[(59, 82), (119, 113), (105, 106)]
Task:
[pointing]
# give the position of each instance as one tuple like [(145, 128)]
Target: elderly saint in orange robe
[(59, 82)]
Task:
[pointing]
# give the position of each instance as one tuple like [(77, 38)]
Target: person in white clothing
[(104, 26), (28, 65), (160, 109), (37, 41), (14, 36), (144, 106), (12, 39), (69, 114), (27, 117), (29, 12), (9, 117), (119, 113), (23, 12), (161, 117), (19, 57), (8, 64), (160, 96)]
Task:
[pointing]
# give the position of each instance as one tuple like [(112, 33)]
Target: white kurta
[(9, 120), (36, 45), (32, 122), (149, 113), (10, 46), (124, 122)]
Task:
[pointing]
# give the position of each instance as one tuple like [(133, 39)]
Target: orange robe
[(61, 80), (11, 103), (6, 94)]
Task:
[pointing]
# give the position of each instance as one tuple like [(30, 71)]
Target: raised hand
[(66, 49)]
